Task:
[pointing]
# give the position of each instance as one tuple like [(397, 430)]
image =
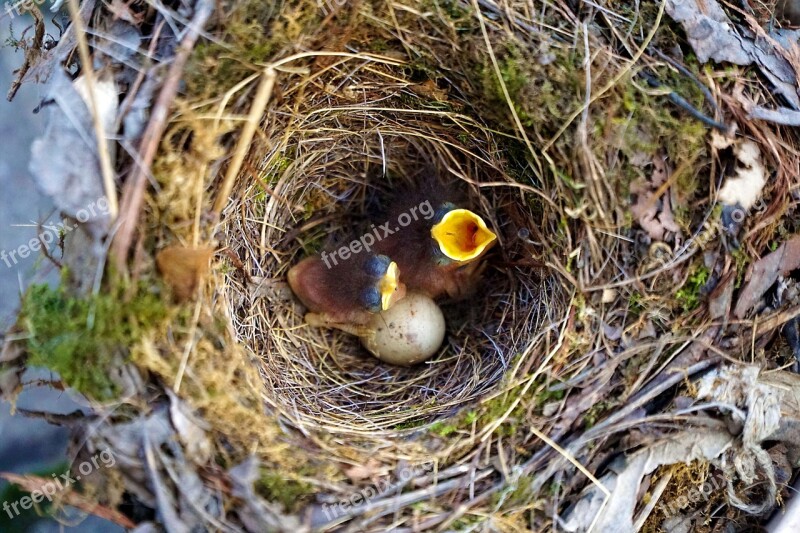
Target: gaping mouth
[(462, 235), (390, 287)]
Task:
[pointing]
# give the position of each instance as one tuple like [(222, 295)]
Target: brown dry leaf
[(764, 272), (183, 268), (652, 208), (44, 485), (719, 302), (10, 351), (10, 382)]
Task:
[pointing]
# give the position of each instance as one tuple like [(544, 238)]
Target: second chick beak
[(462, 235), (390, 287)]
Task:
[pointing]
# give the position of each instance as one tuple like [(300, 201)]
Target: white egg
[(408, 333)]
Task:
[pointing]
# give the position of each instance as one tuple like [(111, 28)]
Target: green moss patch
[(83, 339)]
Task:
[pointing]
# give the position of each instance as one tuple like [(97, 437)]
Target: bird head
[(462, 236), (386, 288)]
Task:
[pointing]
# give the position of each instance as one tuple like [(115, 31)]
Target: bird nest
[(569, 384), (326, 157)]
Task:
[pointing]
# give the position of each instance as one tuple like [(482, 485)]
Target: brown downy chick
[(435, 241), (345, 293)]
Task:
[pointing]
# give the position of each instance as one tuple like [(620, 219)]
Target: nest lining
[(328, 155)]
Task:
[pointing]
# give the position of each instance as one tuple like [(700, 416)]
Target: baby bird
[(435, 243), (345, 293)]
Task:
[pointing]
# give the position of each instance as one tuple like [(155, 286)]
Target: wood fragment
[(133, 191)]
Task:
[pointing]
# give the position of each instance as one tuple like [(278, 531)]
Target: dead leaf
[(652, 208), (719, 301), (739, 386), (712, 36), (759, 408), (430, 90), (65, 161), (191, 430), (119, 43), (10, 382), (184, 268), (624, 484), (10, 351), (764, 272), (122, 11)]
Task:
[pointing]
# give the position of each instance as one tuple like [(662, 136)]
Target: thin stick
[(781, 115), (506, 94), (102, 142), (243, 146), (190, 343), (133, 191)]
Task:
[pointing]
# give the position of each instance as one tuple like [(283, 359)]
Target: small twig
[(190, 343), (46, 252), (87, 69), (491, 6), (391, 502), (688, 73), (31, 51), (133, 191), (66, 419), (681, 102)]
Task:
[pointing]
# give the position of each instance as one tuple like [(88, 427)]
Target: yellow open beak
[(462, 235), (390, 287)]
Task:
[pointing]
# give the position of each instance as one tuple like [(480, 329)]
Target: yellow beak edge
[(462, 235), (389, 287)]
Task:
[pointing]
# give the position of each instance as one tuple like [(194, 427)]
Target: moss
[(742, 260), (411, 424), (690, 294), (518, 493), (254, 33), (543, 94), (443, 429), (290, 493), (639, 124), (636, 303), (82, 339), (457, 11), (548, 395)]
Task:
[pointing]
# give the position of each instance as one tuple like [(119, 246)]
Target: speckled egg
[(408, 333)]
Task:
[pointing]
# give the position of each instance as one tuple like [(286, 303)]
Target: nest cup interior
[(321, 169)]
